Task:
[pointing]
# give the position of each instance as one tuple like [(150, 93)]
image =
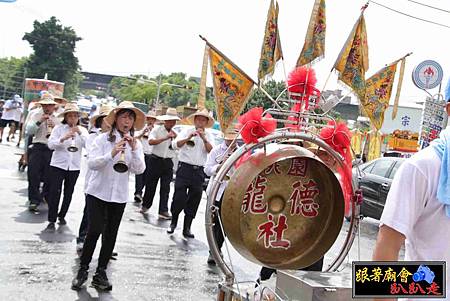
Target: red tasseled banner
[(338, 136), (255, 126)]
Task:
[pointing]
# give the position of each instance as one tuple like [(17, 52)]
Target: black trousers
[(104, 217), (217, 227), (188, 189), (58, 177), (84, 223), (39, 157), (266, 273), (161, 170), (140, 180)]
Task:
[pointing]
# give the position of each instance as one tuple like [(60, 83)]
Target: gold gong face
[(283, 208)]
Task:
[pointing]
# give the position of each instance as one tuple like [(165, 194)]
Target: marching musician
[(161, 163), (112, 157), (40, 126), (98, 126), (194, 145), (216, 158), (66, 141), (143, 137)]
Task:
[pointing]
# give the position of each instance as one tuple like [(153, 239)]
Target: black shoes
[(81, 278), (173, 224), (33, 208), (62, 221), (187, 227), (138, 198), (50, 227), (100, 281)]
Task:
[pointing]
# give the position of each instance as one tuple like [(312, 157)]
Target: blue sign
[(427, 75)]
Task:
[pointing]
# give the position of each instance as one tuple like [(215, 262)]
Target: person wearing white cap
[(112, 157), (13, 110), (67, 140), (140, 182), (161, 164), (39, 126), (194, 145)]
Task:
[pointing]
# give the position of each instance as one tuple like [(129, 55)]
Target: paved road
[(36, 265)]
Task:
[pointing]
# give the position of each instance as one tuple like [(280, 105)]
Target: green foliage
[(11, 76), (259, 99), (54, 47), (140, 88)]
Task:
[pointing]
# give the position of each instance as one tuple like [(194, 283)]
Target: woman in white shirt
[(64, 164), (107, 190)]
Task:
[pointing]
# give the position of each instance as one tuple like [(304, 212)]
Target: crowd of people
[(118, 141)]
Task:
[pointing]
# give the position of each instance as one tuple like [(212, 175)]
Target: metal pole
[(157, 93)]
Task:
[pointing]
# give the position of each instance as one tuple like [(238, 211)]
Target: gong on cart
[(283, 207)]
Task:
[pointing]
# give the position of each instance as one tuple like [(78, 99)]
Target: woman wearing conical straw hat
[(66, 141), (112, 157), (98, 126)]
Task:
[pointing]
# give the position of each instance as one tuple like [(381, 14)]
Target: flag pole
[(225, 57)]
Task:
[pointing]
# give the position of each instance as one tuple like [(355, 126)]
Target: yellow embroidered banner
[(271, 49), (232, 87), (353, 61), (314, 47), (378, 93)]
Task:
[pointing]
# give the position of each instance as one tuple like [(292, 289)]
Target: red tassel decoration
[(338, 136), (254, 126)]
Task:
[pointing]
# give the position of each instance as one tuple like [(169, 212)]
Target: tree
[(138, 88), (54, 47), (12, 71), (259, 99)]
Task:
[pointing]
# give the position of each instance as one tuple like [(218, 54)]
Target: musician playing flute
[(39, 126), (107, 190), (67, 140)]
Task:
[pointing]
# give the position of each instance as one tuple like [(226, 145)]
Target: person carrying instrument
[(39, 126), (218, 155), (194, 145), (112, 157), (161, 163), (143, 137), (66, 141), (12, 113), (98, 126)]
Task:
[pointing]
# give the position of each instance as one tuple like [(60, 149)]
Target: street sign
[(427, 75), (433, 120)]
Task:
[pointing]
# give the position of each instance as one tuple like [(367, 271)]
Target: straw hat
[(171, 114), (151, 114), (60, 100), (47, 99), (203, 113), (104, 111), (140, 116), (70, 108)]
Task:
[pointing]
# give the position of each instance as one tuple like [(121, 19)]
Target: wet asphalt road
[(36, 265)]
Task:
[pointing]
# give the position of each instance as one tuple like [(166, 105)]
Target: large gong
[(283, 207)]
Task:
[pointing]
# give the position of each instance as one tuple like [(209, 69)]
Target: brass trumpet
[(49, 131), (72, 148), (191, 143), (121, 166)]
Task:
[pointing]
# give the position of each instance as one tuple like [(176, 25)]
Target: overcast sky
[(148, 37)]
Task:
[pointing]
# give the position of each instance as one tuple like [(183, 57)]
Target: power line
[(433, 7), (405, 14)]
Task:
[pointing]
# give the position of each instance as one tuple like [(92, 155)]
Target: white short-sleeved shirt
[(413, 209), (196, 155)]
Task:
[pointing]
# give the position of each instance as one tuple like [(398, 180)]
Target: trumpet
[(72, 148), (49, 131), (191, 143), (121, 166)]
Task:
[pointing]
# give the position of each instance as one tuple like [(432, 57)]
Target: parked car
[(375, 178)]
